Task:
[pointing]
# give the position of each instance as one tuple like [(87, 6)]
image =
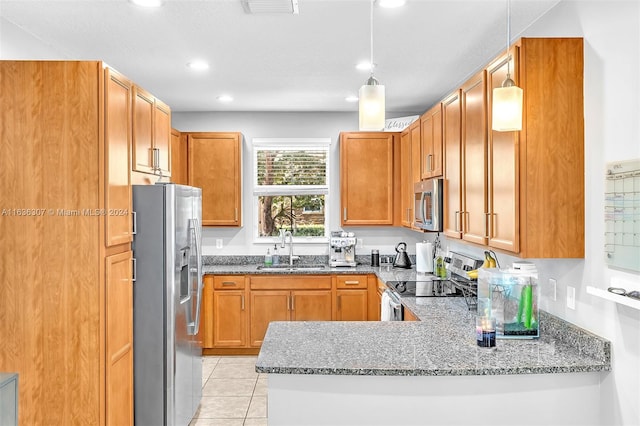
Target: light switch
[(218, 243), (553, 284)]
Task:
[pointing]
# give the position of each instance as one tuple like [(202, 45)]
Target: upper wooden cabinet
[(536, 176), (452, 142), (367, 180), (151, 134), (117, 157), (431, 142), (179, 155), (474, 159), (215, 165)]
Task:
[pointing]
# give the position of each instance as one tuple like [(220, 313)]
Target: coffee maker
[(342, 251)]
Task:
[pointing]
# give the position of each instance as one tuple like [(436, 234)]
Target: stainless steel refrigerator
[(166, 303)]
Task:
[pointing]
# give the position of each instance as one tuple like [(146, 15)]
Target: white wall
[(612, 132)]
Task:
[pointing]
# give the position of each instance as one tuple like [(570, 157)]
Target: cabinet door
[(178, 158), (351, 305), (206, 323), (406, 177), (229, 319), (416, 154), (142, 150), (119, 339), (452, 165), (366, 178), (117, 168), (215, 166), (309, 305), (502, 170), (267, 306), (474, 160), (431, 122), (162, 137)]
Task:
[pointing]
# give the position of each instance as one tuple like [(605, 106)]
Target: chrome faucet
[(284, 235)]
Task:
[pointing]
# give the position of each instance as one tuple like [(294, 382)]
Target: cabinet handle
[(288, 302), (134, 224), (236, 214), (293, 298), (134, 266), (156, 159), (242, 302), (344, 214), (458, 221), (352, 282), (338, 303), (487, 218), (429, 162), (228, 283)]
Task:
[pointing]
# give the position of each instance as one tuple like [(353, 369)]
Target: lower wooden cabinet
[(409, 316), (351, 305), (237, 309)]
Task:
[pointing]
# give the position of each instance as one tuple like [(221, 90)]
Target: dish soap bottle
[(275, 257), (268, 259)]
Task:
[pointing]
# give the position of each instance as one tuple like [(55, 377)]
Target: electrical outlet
[(360, 243), (218, 243), (571, 297), (553, 284)]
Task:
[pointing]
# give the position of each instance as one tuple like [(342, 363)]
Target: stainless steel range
[(458, 266)]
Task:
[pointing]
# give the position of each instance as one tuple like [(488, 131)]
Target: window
[(291, 187)]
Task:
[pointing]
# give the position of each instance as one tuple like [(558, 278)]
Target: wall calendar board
[(622, 214)]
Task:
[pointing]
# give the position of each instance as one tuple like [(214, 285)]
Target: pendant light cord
[(508, 36), (371, 36)]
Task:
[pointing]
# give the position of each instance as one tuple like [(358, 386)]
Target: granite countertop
[(441, 343)]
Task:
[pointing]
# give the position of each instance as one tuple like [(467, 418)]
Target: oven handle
[(395, 306)]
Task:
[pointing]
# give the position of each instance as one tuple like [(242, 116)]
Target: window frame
[(257, 191)]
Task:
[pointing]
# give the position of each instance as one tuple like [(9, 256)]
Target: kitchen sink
[(287, 268)]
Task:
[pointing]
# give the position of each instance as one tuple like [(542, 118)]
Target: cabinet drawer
[(291, 282), (351, 281), (228, 282)]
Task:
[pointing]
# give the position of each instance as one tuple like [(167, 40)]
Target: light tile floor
[(233, 394)]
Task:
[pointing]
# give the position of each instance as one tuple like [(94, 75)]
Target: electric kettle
[(402, 258)]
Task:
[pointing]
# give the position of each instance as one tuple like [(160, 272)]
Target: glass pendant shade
[(371, 106), (506, 109)]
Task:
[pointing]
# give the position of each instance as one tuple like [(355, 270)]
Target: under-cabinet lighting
[(147, 3), (198, 65), (225, 98)]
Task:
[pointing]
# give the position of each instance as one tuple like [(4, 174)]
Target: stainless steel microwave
[(428, 204)]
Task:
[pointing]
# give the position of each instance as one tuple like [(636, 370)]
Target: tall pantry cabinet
[(66, 301)]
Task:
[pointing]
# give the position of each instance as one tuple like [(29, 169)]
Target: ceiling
[(276, 62)]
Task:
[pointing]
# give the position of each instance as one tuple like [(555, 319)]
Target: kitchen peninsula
[(429, 371)]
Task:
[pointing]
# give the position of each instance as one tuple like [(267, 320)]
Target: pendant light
[(371, 95), (506, 110)]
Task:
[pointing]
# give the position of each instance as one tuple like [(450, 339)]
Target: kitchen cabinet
[(67, 318), (352, 298), (536, 176), (287, 298), (179, 156), (409, 316), (215, 165), (452, 143), (431, 142), (151, 134), (369, 177), (230, 312), (406, 177), (410, 142), (474, 160)]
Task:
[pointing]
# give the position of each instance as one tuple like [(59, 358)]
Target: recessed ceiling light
[(365, 66), (198, 65), (391, 3), (147, 3), (351, 98), (224, 98)]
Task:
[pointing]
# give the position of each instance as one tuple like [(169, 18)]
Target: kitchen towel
[(424, 257), (385, 307)]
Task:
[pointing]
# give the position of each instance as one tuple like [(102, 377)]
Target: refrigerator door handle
[(194, 225)]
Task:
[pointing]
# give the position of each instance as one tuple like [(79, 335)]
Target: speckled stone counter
[(442, 343)]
